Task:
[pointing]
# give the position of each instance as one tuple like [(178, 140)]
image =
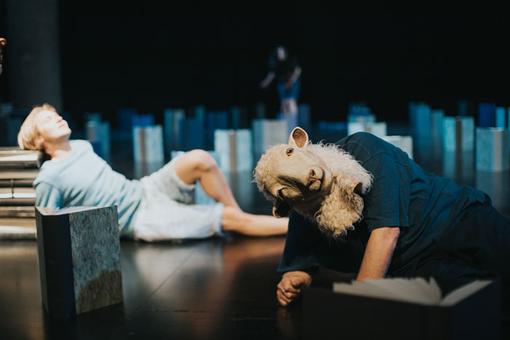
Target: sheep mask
[(319, 181)]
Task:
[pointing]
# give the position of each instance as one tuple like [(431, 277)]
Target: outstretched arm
[(267, 80), (378, 253)]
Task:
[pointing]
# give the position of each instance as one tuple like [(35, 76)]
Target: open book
[(415, 290), (14, 157)]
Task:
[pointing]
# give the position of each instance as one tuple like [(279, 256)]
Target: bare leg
[(253, 225), (292, 107), (290, 112), (198, 165), (284, 107)]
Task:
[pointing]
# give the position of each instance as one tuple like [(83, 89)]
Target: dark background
[(151, 56)]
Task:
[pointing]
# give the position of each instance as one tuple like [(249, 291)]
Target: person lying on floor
[(156, 207), (363, 206)]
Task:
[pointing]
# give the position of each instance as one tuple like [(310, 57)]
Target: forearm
[(268, 79), (305, 276), (378, 253), (295, 75)]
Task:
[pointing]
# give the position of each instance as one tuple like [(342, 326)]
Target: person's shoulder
[(364, 144), (79, 146), (48, 174), (363, 138)]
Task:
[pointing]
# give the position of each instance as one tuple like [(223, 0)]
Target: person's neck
[(58, 150)]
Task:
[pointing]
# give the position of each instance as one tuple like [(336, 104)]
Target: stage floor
[(214, 289), (210, 289)]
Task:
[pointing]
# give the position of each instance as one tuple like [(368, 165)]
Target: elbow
[(393, 236), (394, 232), (389, 234)]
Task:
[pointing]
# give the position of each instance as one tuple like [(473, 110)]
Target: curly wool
[(262, 170), (342, 164)]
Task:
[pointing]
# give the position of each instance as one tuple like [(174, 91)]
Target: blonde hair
[(28, 133)]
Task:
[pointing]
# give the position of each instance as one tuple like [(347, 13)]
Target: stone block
[(379, 129), (147, 149), (404, 143), (173, 129), (268, 132), (234, 149), (486, 115), (501, 118), (492, 149), (458, 134), (79, 259), (98, 134)]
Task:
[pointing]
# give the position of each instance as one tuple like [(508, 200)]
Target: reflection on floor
[(215, 289)]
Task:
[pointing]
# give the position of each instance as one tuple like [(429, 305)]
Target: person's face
[(280, 51), (51, 127)]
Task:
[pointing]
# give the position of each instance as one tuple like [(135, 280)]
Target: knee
[(201, 160)]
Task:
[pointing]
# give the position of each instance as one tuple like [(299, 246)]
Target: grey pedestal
[(79, 259), (234, 150), (147, 149), (492, 149)]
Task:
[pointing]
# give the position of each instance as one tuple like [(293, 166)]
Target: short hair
[(28, 133)]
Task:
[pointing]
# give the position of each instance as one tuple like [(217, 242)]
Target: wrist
[(304, 276)]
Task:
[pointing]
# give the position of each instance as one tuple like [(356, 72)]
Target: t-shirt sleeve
[(387, 202), (293, 63), (47, 196), (302, 238)]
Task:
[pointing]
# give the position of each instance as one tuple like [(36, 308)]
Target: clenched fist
[(290, 286)]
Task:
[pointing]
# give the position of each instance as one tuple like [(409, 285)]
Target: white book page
[(463, 292), (24, 195), (361, 289), (20, 157), (408, 290), (412, 290), (8, 229), (432, 288)]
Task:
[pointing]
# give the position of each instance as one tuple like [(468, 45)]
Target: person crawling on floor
[(363, 206)]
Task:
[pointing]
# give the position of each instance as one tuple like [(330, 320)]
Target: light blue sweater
[(84, 179)]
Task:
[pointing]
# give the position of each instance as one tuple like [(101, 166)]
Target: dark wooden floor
[(221, 289), (211, 289)]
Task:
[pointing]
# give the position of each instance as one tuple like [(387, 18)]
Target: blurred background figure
[(2, 44), (286, 70)]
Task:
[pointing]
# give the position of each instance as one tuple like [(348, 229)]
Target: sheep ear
[(281, 209), (298, 137)]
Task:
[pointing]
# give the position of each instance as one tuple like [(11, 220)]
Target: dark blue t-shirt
[(403, 195), (283, 69)]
